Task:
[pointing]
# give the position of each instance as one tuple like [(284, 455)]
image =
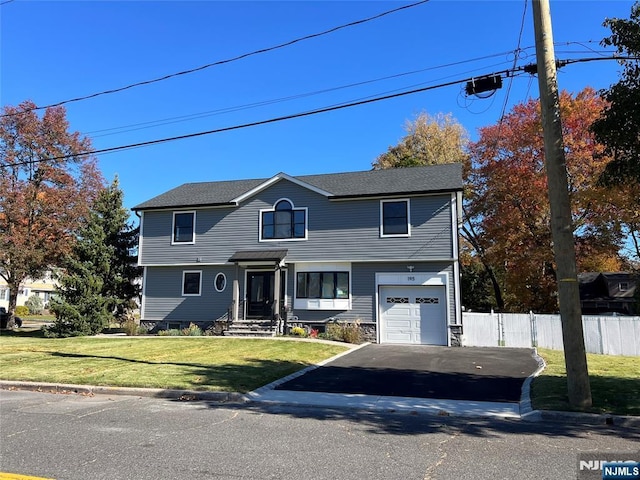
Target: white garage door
[(415, 315)]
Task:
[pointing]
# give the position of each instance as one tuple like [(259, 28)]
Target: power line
[(252, 124), (193, 116), (510, 72), (515, 60), (229, 60)]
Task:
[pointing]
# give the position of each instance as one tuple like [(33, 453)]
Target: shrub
[(35, 305), (174, 332), (22, 310), (298, 332), (131, 327), (143, 330), (192, 330), (344, 332)]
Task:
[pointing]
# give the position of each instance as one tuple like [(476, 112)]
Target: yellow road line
[(15, 476)]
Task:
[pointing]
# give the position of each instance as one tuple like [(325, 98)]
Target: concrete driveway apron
[(419, 371)]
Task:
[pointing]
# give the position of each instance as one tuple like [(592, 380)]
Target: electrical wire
[(247, 125), (515, 60), (286, 117), (195, 116), (229, 60)]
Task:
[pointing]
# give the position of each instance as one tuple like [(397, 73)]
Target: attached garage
[(411, 314)]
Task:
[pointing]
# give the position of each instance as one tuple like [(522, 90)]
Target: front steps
[(251, 328)]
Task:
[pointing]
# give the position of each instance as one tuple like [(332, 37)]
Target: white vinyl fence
[(606, 335)]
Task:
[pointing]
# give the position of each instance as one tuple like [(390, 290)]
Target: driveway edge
[(526, 406)]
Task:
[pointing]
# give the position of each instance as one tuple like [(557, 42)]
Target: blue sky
[(57, 50)]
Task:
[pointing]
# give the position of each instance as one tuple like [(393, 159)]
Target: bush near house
[(35, 305), (22, 310)]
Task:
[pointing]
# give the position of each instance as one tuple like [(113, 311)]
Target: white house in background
[(43, 287)]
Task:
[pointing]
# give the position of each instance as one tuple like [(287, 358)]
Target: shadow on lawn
[(24, 332), (610, 394), (224, 377)]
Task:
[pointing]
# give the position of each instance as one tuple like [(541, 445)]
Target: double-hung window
[(184, 227), (284, 222), (394, 218)]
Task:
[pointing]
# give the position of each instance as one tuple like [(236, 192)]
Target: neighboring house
[(609, 292), (43, 287), (379, 247)]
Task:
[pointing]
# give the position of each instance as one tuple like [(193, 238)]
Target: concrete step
[(253, 328), (249, 333)]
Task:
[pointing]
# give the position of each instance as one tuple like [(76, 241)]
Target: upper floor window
[(184, 227), (283, 222), (394, 218)]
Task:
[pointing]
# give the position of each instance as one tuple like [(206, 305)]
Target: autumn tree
[(430, 140), (440, 139), (98, 284), (618, 128), (507, 208), (47, 183)]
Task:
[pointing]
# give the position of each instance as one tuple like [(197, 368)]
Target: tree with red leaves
[(47, 184), (507, 207)]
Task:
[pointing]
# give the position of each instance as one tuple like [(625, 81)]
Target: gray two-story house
[(379, 247)]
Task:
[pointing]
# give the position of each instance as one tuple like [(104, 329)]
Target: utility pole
[(575, 356)]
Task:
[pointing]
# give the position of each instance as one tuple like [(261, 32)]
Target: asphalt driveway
[(420, 371)]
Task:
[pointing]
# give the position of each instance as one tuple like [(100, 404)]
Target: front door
[(260, 287)]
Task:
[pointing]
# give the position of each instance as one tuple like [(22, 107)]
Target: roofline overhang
[(395, 194), (186, 207)]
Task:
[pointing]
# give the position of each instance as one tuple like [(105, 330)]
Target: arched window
[(284, 222)]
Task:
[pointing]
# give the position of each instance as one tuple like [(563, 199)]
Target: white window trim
[(215, 283), (173, 228), (395, 235), (322, 303), (184, 272), (273, 209)]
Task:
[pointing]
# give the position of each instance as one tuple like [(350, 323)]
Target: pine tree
[(97, 285)]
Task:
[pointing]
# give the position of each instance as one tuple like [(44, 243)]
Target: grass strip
[(615, 384)]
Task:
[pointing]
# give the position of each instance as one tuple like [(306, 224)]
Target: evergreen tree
[(97, 285)]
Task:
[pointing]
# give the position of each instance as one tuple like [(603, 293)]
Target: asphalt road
[(73, 437)]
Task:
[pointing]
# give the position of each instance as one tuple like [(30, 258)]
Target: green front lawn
[(615, 383), (193, 363)]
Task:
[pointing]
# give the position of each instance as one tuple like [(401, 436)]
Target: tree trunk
[(13, 302)]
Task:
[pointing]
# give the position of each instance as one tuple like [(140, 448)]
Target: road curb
[(581, 418), (184, 395), (526, 405)]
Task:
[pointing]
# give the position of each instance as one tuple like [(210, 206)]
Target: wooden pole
[(579, 390)]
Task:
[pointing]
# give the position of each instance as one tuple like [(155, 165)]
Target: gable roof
[(370, 183), (606, 285)]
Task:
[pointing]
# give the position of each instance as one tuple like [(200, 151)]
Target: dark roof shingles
[(434, 178)]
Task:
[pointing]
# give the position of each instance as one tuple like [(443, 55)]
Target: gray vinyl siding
[(337, 230), (164, 301), (363, 291)]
